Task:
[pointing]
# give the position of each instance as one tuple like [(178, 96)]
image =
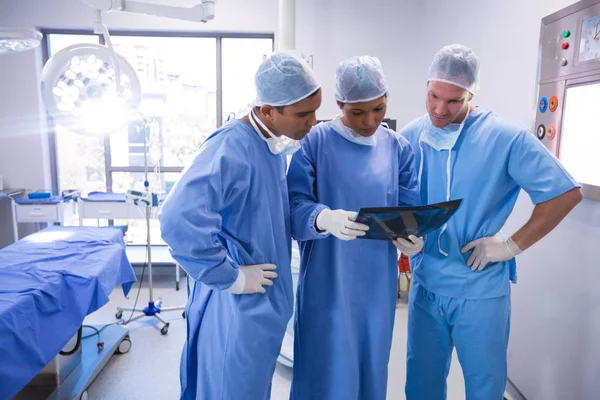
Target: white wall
[(24, 155), (334, 30), (554, 347), (23, 133), (505, 37)]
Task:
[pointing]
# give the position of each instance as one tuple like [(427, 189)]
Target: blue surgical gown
[(231, 208), (347, 289), (449, 304)]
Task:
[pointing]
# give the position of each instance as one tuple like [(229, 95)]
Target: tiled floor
[(151, 369)]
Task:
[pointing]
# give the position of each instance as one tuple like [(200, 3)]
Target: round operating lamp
[(84, 92), (13, 40)]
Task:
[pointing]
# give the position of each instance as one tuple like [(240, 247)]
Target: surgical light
[(13, 40), (83, 92), (89, 88)]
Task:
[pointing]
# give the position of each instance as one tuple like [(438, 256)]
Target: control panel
[(571, 45), (548, 119), (570, 50), (568, 101)]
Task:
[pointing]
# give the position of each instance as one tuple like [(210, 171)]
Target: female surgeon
[(347, 289)]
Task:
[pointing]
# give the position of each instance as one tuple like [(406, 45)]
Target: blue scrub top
[(491, 162)]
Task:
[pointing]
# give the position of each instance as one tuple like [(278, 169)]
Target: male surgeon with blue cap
[(347, 288), (227, 224), (460, 292)]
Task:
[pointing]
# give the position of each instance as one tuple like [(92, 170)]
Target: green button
[(566, 34)]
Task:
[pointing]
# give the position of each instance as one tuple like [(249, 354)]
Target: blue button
[(543, 104)]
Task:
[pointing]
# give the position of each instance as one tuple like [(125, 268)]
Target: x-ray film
[(387, 223)]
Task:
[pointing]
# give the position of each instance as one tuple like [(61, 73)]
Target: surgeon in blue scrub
[(227, 224), (347, 288), (460, 292)]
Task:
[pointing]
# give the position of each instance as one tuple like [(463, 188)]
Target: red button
[(565, 45)]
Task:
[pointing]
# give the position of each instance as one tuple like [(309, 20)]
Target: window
[(179, 91), (241, 59), (184, 96), (159, 183)]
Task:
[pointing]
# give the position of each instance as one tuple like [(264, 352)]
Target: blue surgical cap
[(284, 79), (359, 79), (458, 65)]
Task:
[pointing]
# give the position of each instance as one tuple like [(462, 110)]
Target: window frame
[(109, 168)]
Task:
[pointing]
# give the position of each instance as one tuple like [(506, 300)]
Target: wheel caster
[(124, 346), (119, 314), (177, 286), (183, 314), (84, 396), (165, 329)]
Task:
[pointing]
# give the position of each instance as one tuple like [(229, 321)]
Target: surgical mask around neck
[(350, 135), (277, 145), (442, 138)]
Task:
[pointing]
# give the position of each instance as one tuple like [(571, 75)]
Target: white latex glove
[(340, 223), (490, 249), (252, 278), (409, 247)]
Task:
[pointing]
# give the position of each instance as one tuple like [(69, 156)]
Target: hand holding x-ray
[(410, 246), (340, 223)]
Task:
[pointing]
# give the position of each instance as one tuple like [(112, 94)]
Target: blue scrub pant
[(478, 328)]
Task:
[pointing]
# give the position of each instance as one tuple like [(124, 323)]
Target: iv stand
[(153, 309)]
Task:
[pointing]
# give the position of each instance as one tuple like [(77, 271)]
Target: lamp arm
[(203, 12), (199, 13), (100, 28)]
